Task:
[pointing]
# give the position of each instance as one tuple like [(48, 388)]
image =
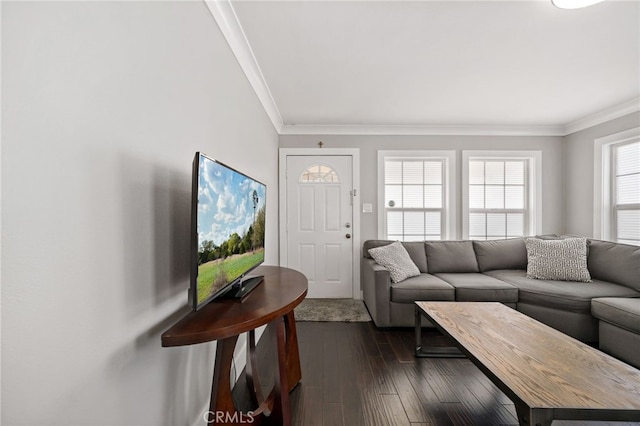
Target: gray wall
[(552, 166), (103, 107), (579, 172)]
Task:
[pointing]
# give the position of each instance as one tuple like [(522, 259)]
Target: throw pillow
[(562, 260), (396, 260)]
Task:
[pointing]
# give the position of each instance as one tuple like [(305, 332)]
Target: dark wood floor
[(354, 374)]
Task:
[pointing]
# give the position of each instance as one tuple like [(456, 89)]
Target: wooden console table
[(224, 320)]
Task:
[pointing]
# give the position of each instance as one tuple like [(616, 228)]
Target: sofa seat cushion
[(475, 287), (564, 295), (620, 311), (422, 287)]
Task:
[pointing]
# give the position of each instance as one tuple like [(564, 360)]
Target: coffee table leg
[(534, 416), (418, 323), (427, 351)]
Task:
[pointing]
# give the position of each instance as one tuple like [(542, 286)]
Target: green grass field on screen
[(215, 274)]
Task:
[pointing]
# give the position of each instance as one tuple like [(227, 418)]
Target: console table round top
[(282, 290)]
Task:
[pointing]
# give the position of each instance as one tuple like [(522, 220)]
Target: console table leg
[(221, 398), (281, 413), (294, 371), (251, 370)]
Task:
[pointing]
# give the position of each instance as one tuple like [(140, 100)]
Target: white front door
[(319, 224)]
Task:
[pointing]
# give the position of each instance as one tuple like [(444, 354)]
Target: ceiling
[(439, 66)]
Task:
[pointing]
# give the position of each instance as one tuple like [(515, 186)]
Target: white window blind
[(626, 193), (414, 199), (498, 197)]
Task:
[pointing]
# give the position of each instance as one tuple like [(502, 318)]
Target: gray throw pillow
[(562, 260), (396, 260)]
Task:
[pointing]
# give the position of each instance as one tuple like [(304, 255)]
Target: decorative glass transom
[(319, 173)]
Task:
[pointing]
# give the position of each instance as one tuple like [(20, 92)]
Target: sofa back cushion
[(614, 262), (414, 248), (451, 256), (501, 254)]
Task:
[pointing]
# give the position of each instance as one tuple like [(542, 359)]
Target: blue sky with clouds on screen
[(225, 202)]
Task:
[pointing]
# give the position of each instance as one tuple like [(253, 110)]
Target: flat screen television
[(227, 231)]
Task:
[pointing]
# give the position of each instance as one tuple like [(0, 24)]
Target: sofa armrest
[(376, 289)]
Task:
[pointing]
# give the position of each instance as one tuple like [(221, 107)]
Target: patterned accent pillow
[(395, 258), (563, 260)]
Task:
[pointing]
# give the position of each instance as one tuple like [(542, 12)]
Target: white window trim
[(534, 202), (450, 189), (603, 182)]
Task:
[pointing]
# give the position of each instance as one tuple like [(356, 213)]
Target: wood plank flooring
[(355, 374)]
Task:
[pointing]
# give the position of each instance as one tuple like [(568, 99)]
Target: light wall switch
[(367, 208)]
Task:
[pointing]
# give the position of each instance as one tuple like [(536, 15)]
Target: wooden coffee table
[(547, 374)]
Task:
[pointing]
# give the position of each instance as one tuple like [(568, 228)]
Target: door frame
[(354, 153)]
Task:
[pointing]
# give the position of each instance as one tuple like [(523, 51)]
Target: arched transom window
[(319, 173)]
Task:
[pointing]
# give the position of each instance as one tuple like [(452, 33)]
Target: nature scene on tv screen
[(231, 226)]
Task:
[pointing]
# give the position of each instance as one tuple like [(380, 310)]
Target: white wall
[(552, 166), (579, 172), (104, 105)]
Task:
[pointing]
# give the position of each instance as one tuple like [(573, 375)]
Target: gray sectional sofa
[(605, 311)]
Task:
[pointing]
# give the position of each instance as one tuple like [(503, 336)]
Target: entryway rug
[(336, 310)]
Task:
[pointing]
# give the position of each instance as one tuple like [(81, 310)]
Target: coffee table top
[(536, 364)]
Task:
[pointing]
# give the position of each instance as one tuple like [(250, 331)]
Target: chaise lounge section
[(605, 311)]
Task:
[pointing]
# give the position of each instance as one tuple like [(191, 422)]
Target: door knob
[(348, 236)]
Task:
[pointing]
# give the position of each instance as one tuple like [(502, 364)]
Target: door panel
[(307, 260), (332, 262), (332, 209), (307, 219)]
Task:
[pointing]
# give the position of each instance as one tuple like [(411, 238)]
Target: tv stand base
[(245, 287)]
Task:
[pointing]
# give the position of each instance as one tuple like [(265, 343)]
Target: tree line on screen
[(252, 240)]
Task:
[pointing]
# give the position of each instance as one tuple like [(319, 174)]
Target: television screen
[(228, 229)]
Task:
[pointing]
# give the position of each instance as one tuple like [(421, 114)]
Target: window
[(500, 194), (497, 198), (415, 195), (626, 193), (616, 213), (319, 173)]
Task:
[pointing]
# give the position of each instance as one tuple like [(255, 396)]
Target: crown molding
[(227, 20), (603, 116), (422, 130)]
